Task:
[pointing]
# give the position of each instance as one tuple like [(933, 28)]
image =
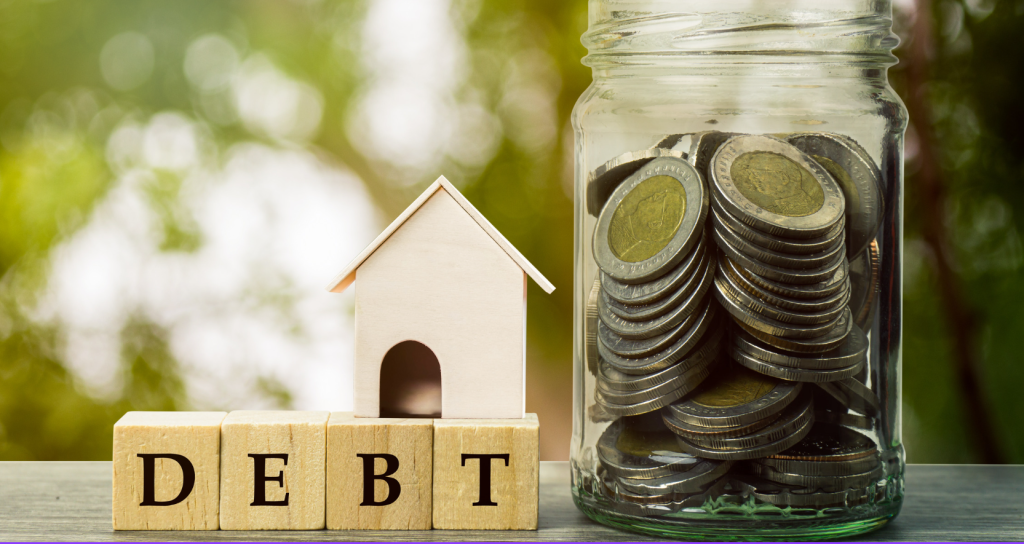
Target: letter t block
[(486, 473), (167, 471), (273, 465), (379, 472)]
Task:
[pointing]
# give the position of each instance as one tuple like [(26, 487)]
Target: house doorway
[(410, 382)]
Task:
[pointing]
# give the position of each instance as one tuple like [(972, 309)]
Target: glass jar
[(737, 348)]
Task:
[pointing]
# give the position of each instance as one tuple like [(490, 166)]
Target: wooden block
[(273, 470), (485, 473), (167, 471), (393, 456)]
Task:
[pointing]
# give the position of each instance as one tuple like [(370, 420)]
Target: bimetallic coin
[(751, 453), (688, 429), (734, 395), (689, 379), (794, 374), (797, 497), (792, 418), (859, 178), (818, 290), (649, 312), (707, 350), (831, 443), (778, 259), (605, 178), (653, 354), (653, 291), (821, 344), (590, 343), (643, 407), (774, 187), (772, 312), (651, 222), (628, 453), (852, 351), (777, 243), (777, 273), (795, 304), (821, 468), (864, 274), (766, 325), (854, 395), (703, 146)]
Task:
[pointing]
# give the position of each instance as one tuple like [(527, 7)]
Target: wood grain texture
[(514, 484), (194, 435), (411, 441), (302, 436), (442, 281), (70, 501)]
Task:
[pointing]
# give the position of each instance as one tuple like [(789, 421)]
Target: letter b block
[(273, 466), (379, 472), (167, 470), (486, 473)]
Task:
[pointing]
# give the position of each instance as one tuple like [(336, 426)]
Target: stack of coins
[(656, 337)]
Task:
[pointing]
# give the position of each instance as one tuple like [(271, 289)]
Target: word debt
[(294, 470)]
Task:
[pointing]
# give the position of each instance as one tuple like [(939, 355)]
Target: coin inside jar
[(734, 395), (605, 178)]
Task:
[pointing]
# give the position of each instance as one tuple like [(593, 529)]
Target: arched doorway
[(410, 382)]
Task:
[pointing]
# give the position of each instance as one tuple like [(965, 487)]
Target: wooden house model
[(442, 276)]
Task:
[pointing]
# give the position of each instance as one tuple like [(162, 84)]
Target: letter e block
[(485, 473), (273, 470), (167, 471), (379, 472)]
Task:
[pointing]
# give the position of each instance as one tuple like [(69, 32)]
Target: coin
[(703, 146), (774, 187), (777, 243), (750, 453), (797, 497), (651, 222), (644, 505), (649, 312), (766, 325), (792, 418), (605, 178), (778, 273), (859, 178), (794, 374), (864, 274), (831, 443), (687, 429), (642, 407), (851, 351), (820, 468), (854, 395), (590, 342), (688, 379), (821, 344), (707, 350), (769, 311), (778, 259), (653, 354), (628, 453), (734, 395), (636, 330), (652, 291), (837, 298), (818, 290)]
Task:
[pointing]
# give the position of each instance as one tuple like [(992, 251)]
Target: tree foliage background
[(145, 122)]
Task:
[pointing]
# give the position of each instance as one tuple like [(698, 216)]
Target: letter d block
[(486, 473), (167, 471), (273, 466), (379, 472)]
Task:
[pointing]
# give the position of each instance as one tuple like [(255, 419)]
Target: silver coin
[(859, 178), (653, 291), (785, 275), (769, 311), (821, 468), (654, 310), (796, 496), (689, 379), (680, 347), (638, 330), (652, 354), (777, 243), (703, 146), (751, 453), (831, 443), (590, 342), (778, 259), (605, 178), (646, 505), (707, 350), (687, 429), (627, 453), (854, 395), (795, 197), (734, 396), (812, 291), (643, 407), (821, 344), (853, 350), (645, 248), (694, 481), (794, 374), (864, 276), (766, 325), (794, 417), (795, 304)]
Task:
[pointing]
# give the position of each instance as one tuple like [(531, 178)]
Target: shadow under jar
[(739, 185)]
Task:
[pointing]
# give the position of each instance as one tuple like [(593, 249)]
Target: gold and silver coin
[(603, 180), (852, 351), (734, 395), (655, 290), (795, 374), (864, 274), (651, 222), (791, 426)]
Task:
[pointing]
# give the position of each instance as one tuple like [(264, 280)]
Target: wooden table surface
[(71, 501)]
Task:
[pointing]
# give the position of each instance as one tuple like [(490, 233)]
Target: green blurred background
[(180, 180)]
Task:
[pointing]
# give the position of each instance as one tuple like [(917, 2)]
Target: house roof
[(348, 275)]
